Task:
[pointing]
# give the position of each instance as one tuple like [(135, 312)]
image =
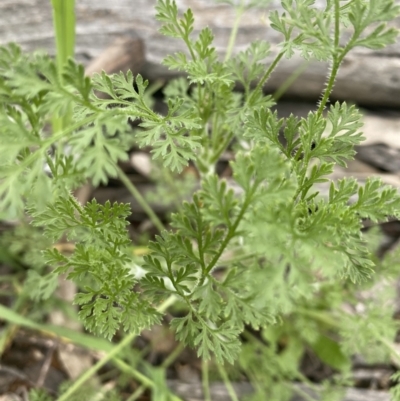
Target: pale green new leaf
[(167, 12), (40, 287), (221, 343), (377, 201), (100, 148), (247, 66), (177, 61)]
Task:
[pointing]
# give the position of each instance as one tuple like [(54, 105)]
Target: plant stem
[(138, 392), (301, 392), (231, 232), (123, 366), (337, 59), (173, 355), (167, 362), (329, 86), (322, 317), (140, 199), (9, 329), (215, 157), (265, 77), (205, 380), (64, 28), (90, 372), (146, 382), (232, 38), (227, 382), (47, 143), (290, 80), (111, 356)]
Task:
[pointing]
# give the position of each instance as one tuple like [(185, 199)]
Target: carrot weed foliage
[(281, 250)]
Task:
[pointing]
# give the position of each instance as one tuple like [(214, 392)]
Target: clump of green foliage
[(248, 252)]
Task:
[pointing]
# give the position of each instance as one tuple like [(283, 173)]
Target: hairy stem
[(337, 59)]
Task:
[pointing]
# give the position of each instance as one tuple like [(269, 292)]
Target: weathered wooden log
[(366, 77), (218, 392), (125, 53)]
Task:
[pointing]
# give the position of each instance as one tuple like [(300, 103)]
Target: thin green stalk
[(227, 382), (329, 86), (215, 132), (303, 379), (300, 189), (301, 392), (338, 56), (9, 328), (205, 380), (232, 38), (64, 28), (136, 394), (186, 39), (167, 362), (266, 75), (321, 317), (231, 232), (173, 355), (124, 367), (337, 59), (337, 24), (90, 372), (46, 144), (215, 157), (178, 290), (240, 258), (290, 80), (112, 355), (140, 199), (146, 382)]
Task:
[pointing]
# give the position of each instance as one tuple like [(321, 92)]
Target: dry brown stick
[(46, 365)]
